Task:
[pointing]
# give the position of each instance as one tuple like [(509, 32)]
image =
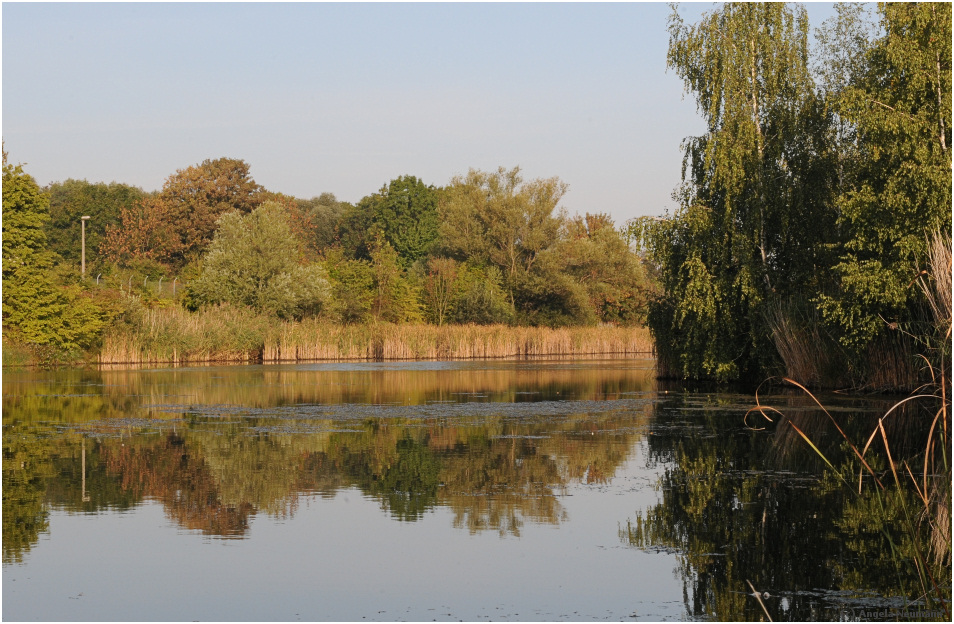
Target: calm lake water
[(547, 490)]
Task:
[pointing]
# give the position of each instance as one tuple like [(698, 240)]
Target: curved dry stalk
[(759, 598), (843, 435)]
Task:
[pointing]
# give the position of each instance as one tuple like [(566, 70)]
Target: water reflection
[(742, 505), (495, 444)]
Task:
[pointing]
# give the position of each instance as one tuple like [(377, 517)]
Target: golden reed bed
[(230, 335)]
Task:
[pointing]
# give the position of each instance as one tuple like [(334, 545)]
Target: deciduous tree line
[(486, 248), (809, 205)]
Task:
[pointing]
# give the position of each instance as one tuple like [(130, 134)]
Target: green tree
[(26, 212), (899, 191), (254, 261), (480, 296), (378, 289), (403, 213), (103, 203), (396, 299), (37, 308), (755, 220), (352, 283), (497, 218), (406, 210), (440, 282)]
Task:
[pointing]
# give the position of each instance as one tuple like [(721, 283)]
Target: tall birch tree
[(754, 206)]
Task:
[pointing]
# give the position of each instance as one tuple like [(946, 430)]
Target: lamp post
[(83, 252)]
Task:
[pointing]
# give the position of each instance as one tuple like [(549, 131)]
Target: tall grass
[(227, 334), (174, 335), (808, 353)]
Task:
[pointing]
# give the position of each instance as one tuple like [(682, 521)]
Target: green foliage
[(754, 215), (403, 213), (396, 299), (497, 218), (352, 287), (27, 469), (42, 312), (463, 292), (406, 212), (898, 192), (548, 296), (26, 211), (377, 289), (73, 199), (37, 308), (826, 193), (479, 296), (439, 288), (357, 229), (253, 261)]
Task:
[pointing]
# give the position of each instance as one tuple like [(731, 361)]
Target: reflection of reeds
[(227, 334), (119, 391), (931, 483)]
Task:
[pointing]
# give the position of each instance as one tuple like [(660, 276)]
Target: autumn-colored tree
[(597, 256), (198, 195), (177, 226), (322, 215), (144, 231)]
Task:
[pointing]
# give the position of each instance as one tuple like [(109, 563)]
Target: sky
[(342, 98)]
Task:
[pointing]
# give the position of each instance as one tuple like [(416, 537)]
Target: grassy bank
[(225, 334)]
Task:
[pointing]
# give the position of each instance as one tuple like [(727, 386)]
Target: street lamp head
[(84, 218)]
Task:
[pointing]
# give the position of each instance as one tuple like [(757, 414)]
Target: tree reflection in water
[(217, 449), (496, 447), (743, 505)]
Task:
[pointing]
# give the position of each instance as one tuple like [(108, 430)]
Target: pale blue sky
[(345, 97)]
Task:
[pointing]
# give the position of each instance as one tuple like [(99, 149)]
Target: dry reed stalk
[(230, 334), (807, 355), (938, 293), (892, 363)]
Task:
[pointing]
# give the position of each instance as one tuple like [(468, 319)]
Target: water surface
[(547, 490)]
